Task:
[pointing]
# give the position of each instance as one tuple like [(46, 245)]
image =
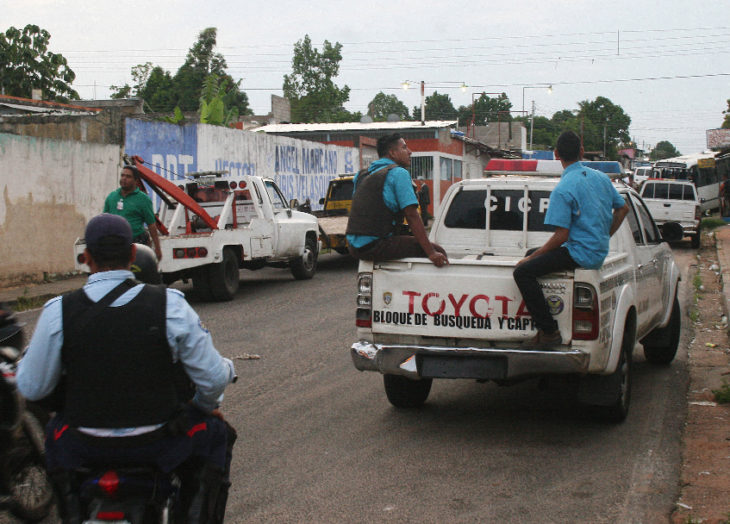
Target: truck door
[(650, 263), (286, 231)]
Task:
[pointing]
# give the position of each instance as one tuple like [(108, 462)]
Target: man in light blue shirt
[(111, 355), (383, 195), (586, 210)]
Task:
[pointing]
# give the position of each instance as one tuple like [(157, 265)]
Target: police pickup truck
[(416, 322), (213, 225)]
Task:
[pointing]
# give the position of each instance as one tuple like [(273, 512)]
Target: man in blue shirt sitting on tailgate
[(586, 210), (113, 355), (383, 195)]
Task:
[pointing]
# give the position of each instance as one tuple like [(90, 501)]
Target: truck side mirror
[(294, 203), (321, 201), (672, 232)]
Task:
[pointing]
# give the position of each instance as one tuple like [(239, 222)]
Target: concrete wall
[(50, 188), (301, 168), (105, 127)]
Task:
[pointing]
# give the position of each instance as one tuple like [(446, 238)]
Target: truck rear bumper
[(475, 363)]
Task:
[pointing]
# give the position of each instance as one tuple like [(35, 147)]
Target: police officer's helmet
[(144, 265)]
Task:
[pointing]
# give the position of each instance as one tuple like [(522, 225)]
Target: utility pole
[(532, 123), (423, 103)]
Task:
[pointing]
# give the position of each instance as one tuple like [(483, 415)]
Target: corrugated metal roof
[(353, 126)]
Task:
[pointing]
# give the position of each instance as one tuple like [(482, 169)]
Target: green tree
[(310, 88), (212, 107), (162, 92), (383, 105), (438, 107), (486, 109), (604, 125), (159, 91), (662, 150), (26, 64), (140, 75), (726, 122)]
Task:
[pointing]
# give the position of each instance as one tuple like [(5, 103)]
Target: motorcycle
[(25, 488)]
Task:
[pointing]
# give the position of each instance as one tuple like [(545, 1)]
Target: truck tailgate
[(470, 298), (671, 210)]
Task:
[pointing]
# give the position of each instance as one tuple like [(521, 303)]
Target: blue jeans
[(525, 276)]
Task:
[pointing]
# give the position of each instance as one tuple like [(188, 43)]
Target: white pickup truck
[(674, 201), (217, 224), (416, 322)]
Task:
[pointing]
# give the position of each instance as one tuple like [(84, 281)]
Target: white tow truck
[(416, 322), (213, 225)]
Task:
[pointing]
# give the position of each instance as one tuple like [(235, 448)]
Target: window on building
[(447, 170), (422, 167), (457, 169)]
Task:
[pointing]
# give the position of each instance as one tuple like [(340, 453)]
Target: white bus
[(698, 168)]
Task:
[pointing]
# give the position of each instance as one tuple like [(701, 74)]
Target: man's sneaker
[(542, 341)]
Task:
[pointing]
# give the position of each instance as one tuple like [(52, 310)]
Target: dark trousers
[(143, 238), (526, 275), (201, 436), (391, 248)]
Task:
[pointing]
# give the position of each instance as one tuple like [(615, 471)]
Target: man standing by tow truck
[(135, 206)]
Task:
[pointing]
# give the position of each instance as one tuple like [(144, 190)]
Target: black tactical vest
[(369, 215), (118, 364)]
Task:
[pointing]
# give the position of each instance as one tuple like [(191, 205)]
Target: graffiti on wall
[(305, 172), (302, 169), (235, 168), (169, 150)]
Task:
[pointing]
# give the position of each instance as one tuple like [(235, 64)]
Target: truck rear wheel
[(404, 392), (610, 395), (305, 266), (224, 277), (660, 346)]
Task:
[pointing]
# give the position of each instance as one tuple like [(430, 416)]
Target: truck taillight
[(698, 213), (190, 252), (364, 300), (585, 312)]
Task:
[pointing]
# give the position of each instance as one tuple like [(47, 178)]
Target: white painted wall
[(301, 168), (50, 189)]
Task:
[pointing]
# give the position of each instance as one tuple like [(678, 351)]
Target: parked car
[(674, 201)]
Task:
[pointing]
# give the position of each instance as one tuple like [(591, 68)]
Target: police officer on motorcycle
[(117, 358)]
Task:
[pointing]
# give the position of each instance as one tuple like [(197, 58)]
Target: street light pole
[(549, 88)]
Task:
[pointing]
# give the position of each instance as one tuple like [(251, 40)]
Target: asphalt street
[(319, 442)]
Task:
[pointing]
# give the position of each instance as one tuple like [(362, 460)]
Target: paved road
[(318, 441)]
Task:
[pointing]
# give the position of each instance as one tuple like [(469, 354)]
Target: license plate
[(488, 368)]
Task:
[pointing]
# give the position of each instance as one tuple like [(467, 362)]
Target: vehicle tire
[(406, 393), (305, 266), (224, 277), (25, 473), (697, 237), (201, 284), (610, 395), (660, 346)]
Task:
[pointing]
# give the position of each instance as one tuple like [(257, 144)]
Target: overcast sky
[(667, 64)]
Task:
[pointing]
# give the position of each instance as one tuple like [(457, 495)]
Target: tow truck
[(213, 225)]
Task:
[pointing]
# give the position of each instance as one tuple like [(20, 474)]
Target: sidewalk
[(36, 295)]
